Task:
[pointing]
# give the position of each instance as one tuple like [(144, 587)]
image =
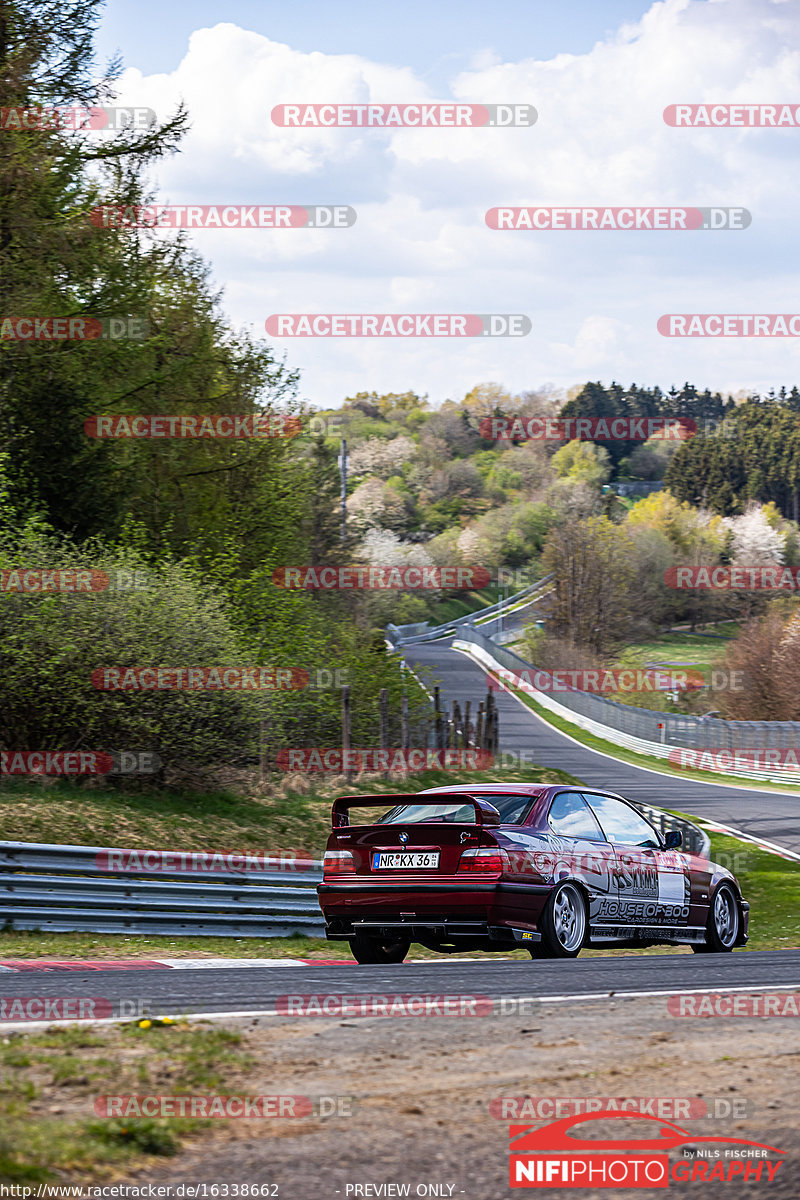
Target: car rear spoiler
[(485, 813)]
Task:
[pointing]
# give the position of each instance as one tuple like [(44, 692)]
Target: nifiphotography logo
[(552, 1156)]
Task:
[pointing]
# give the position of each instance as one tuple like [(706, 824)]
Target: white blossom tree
[(382, 547), (753, 540), (379, 457), (373, 504)]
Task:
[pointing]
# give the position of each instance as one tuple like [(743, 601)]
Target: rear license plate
[(408, 860)]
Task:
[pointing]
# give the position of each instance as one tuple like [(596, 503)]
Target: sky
[(599, 73)]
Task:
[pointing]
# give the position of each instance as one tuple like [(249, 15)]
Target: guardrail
[(695, 840), (658, 734), (404, 635), (66, 889)]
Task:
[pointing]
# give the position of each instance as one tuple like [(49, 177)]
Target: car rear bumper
[(493, 910)]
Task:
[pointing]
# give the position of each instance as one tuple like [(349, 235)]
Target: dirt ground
[(423, 1088)]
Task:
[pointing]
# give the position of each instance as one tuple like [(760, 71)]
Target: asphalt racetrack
[(218, 989), (769, 815)]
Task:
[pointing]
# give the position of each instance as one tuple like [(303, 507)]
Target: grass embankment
[(452, 607), (49, 1083), (292, 814)]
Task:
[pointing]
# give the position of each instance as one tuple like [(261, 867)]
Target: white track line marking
[(250, 1013), (205, 964), (770, 847), (200, 964)]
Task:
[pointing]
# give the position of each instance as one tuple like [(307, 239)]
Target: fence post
[(479, 727), (263, 749), (384, 733), (404, 737), (438, 718), (488, 736), (346, 731), (457, 725), (467, 729)]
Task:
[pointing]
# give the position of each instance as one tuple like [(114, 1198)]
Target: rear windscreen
[(512, 809)]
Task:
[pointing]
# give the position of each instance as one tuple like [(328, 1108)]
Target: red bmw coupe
[(550, 868)]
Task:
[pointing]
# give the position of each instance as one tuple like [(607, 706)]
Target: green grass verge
[(452, 607), (49, 1082), (700, 651)]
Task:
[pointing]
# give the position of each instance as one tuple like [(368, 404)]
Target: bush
[(143, 1135), (50, 643)]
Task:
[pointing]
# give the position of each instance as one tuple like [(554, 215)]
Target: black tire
[(374, 950), (563, 923), (722, 927)]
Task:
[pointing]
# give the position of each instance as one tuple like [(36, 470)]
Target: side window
[(570, 816), (622, 824)]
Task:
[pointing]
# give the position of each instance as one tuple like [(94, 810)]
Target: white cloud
[(420, 242)]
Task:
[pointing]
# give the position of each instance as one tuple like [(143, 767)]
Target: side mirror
[(673, 839)]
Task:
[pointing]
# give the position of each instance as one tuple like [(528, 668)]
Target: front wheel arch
[(723, 928)]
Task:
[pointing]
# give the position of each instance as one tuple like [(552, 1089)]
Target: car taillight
[(338, 862), (488, 861)]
